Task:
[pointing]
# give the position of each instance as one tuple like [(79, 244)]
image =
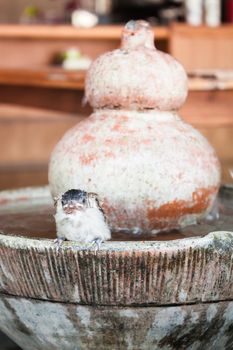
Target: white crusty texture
[(137, 34), (81, 226), (137, 76), (135, 161), (136, 80)]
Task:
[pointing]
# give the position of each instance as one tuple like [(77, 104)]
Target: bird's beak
[(79, 206), (71, 208)]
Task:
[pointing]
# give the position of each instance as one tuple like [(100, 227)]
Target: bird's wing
[(55, 200), (94, 196)]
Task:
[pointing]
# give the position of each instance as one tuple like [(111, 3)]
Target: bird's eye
[(83, 200)]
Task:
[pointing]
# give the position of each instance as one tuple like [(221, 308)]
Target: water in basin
[(36, 220)]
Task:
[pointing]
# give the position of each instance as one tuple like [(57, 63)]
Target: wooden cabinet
[(202, 47), (43, 101)]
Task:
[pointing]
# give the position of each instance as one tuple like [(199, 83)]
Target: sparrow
[(80, 218)]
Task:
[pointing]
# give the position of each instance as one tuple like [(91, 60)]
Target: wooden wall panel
[(210, 109), (28, 136), (23, 176), (29, 140), (202, 47)]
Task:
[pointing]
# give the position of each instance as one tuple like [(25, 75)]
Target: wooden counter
[(57, 77), (48, 77)]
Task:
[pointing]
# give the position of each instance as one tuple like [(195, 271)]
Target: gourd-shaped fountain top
[(152, 171), (159, 81)]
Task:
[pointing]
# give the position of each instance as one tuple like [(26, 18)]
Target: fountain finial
[(137, 34), (136, 76)]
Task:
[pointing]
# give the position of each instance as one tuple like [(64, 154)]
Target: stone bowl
[(172, 292)]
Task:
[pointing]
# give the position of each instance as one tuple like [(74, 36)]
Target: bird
[(80, 218)]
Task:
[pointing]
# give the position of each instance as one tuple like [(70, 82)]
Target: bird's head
[(74, 200)]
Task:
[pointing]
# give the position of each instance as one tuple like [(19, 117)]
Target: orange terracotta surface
[(172, 211)]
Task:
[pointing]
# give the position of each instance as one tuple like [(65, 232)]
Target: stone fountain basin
[(171, 291)]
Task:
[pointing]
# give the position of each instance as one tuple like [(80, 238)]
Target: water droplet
[(137, 25), (214, 212)]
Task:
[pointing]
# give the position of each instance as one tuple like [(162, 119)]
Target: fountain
[(164, 280)]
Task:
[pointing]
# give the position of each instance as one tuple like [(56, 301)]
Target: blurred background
[(46, 46)]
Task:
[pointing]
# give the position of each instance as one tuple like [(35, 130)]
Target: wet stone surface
[(38, 221), (52, 326)]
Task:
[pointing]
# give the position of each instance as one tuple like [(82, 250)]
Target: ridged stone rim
[(181, 271)]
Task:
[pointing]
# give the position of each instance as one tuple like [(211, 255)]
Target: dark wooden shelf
[(43, 77), (60, 32)]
